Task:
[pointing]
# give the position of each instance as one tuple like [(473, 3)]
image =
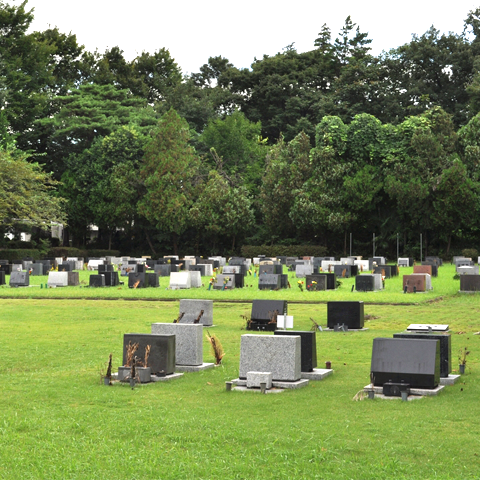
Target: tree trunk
[(345, 244), (233, 244), (109, 240), (448, 244), (175, 243), (149, 242)]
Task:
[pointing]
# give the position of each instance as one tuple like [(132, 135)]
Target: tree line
[(299, 148)]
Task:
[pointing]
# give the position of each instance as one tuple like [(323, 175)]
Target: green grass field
[(58, 421)]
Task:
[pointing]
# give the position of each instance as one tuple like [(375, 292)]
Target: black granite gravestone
[(434, 268), (198, 268), (269, 281), (2, 278), (319, 278), (470, 283), (6, 268), (385, 270), (162, 351), (364, 283), (106, 268), (308, 346), (445, 348), (19, 279), (163, 269), (262, 311), (331, 280), (339, 270), (350, 314), (151, 279), (412, 361), (111, 279), (136, 280), (97, 280), (65, 267), (239, 280)]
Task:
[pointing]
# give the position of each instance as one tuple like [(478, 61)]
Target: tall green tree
[(168, 172)]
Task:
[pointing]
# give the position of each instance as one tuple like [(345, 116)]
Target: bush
[(66, 252), (103, 253), (19, 254), (470, 253), (250, 251)]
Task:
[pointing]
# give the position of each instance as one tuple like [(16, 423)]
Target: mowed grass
[(57, 421), (443, 285)]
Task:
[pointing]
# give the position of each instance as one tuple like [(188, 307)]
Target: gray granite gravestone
[(308, 345), (188, 341), (19, 279), (192, 308), (278, 354)]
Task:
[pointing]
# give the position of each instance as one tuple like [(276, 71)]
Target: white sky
[(193, 30)]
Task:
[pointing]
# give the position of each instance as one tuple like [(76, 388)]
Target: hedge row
[(19, 254), (250, 251)]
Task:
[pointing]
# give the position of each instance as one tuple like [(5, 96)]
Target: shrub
[(250, 251), (470, 253)]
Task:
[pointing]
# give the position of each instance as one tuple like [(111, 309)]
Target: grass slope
[(58, 421)]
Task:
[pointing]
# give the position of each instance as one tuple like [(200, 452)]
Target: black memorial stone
[(384, 270), (163, 269), (106, 268), (364, 283), (141, 268), (6, 268), (198, 268), (349, 270), (308, 345), (19, 279), (445, 348), (284, 280), (470, 283), (2, 278), (151, 280), (319, 278), (351, 314), (97, 280), (278, 269), (436, 260), (262, 310), (331, 280), (405, 360), (162, 351), (239, 280), (269, 281), (65, 267), (111, 279), (282, 259), (290, 261), (136, 280)]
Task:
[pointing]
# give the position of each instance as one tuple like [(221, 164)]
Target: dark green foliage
[(18, 254), (250, 251)]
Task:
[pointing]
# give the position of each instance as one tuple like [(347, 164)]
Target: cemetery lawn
[(443, 286), (57, 421)]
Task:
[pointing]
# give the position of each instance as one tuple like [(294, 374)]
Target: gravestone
[(6, 269), (163, 270), (351, 314), (93, 264), (191, 310), (412, 361), (308, 344), (65, 267), (320, 279), (188, 341), (327, 265), (73, 279), (417, 282), (363, 265), (195, 279), (422, 269), (331, 280), (339, 270), (436, 260), (231, 269), (224, 282), (278, 354), (445, 348), (269, 281), (57, 279), (37, 269), (470, 283), (468, 270), (239, 280), (403, 262), (464, 262), (19, 279), (368, 282), (208, 268), (136, 280), (270, 269), (262, 313), (151, 279), (106, 268), (198, 268), (347, 260), (2, 278), (434, 268), (111, 279), (97, 280), (161, 359), (384, 270), (180, 280)]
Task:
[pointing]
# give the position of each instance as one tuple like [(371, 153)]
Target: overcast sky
[(194, 30)]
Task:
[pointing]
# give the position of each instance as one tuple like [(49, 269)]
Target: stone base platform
[(193, 368), (317, 374), (166, 378), (275, 384), (245, 389), (450, 380), (349, 330), (414, 392)]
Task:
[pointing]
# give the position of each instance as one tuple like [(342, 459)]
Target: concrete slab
[(317, 374), (193, 368), (450, 380)]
